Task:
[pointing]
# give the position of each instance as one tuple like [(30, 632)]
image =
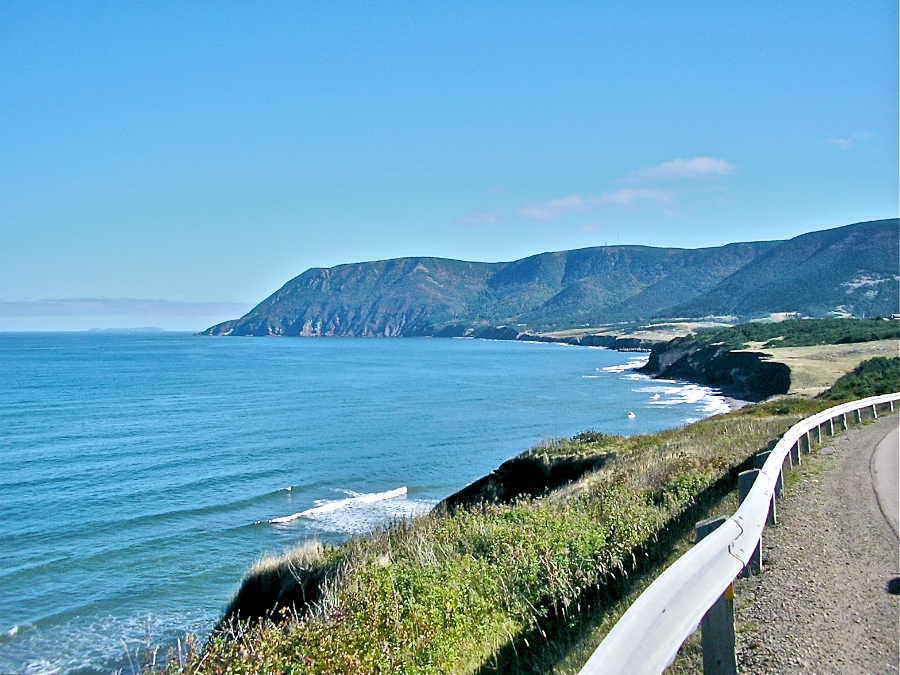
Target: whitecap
[(634, 363), (688, 393), (329, 506)]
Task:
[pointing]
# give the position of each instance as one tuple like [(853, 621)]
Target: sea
[(142, 473)]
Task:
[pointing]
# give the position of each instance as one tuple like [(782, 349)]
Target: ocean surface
[(141, 474)]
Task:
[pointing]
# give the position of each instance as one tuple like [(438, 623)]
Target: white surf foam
[(41, 668), (706, 400), (633, 364), (716, 405), (93, 644), (688, 393), (328, 507)]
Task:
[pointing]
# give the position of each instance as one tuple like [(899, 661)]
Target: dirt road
[(826, 602)]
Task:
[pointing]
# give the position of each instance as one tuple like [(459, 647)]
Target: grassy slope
[(453, 594)]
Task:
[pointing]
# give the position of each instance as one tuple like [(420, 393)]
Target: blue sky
[(197, 155)]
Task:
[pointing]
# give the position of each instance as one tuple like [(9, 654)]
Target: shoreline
[(736, 403)]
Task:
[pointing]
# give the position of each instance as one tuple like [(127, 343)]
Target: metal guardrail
[(647, 637)]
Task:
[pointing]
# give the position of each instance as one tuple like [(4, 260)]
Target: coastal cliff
[(744, 375), (735, 359), (534, 473)]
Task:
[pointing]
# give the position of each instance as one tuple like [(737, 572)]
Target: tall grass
[(448, 593)]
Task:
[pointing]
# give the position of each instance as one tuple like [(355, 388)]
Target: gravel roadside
[(822, 604)]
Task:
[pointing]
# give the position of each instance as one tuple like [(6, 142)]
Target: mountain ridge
[(850, 270)]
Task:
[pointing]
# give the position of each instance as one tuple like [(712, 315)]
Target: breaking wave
[(359, 512)]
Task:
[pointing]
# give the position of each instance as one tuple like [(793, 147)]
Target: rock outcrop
[(742, 374)]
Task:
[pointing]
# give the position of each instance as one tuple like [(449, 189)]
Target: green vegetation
[(870, 378), (491, 586), (803, 333), (730, 358), (853, 268)]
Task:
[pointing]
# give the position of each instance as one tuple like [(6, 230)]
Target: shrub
[(876, 376)]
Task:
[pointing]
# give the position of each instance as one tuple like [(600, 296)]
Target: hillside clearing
[(814, 369)]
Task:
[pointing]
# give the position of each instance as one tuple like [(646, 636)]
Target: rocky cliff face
[(745, 375), (385, 298), (531, 474), (851, 269)]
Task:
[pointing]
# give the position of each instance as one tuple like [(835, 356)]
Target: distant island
[(849, 271)]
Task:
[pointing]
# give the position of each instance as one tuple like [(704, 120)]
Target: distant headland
[(849, 271)]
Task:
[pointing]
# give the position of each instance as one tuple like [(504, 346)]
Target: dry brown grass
[(815, 369)]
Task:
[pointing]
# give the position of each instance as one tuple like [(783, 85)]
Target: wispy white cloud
[(684, 168), (119, 306), (629, 196), (849, 142), (555, 208), (480, 218)]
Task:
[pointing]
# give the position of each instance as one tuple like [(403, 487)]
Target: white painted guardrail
[(647, 637)]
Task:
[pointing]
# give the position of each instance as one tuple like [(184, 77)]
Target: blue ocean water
[(141, 474)]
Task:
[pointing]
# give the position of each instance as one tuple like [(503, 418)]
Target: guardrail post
[(874, 412), (779, 485), (745, 482), (717, 627), (818, 433), (794, 454), (891, 403), (759, 459), (858, 416), (844, 425), (831, 426)]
